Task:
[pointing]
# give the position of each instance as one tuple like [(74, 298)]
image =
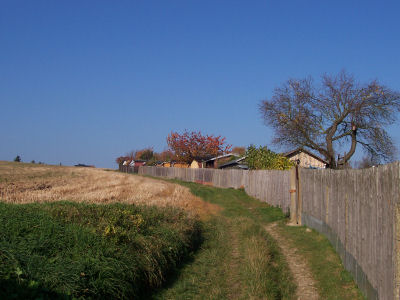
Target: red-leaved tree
[(119, 160), (193, 145)]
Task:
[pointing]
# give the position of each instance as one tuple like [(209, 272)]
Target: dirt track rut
[(306, 287)]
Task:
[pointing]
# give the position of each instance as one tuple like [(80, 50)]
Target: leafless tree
[(335, 116)]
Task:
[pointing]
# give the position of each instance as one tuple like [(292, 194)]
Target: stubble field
[(32, 183)]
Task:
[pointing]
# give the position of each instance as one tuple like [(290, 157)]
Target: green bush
[(72, 250), (265, 159)]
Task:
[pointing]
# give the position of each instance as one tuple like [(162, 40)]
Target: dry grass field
[(26, 183)]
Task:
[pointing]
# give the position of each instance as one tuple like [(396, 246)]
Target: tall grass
[(102, 251)]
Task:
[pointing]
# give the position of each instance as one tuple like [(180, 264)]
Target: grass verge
[(333, 281), (65, 250)]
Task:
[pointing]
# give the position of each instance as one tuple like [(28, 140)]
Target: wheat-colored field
[(25, 183)]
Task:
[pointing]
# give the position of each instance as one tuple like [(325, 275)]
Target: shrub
[(263, 158)]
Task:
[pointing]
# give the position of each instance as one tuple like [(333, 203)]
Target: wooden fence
[(358, 210), (271, 186)]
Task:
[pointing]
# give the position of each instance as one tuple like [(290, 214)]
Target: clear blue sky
[(87, 81)]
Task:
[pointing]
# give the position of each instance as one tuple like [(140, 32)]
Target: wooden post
[(293, 197), (299, 204)]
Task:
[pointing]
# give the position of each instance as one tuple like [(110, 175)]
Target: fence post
[(293, 196), (299, 204)]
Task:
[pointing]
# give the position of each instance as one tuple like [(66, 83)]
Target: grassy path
[(240, 260)]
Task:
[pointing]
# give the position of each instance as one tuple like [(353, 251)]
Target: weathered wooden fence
[(128, 169), (358, 210), (270, 186)]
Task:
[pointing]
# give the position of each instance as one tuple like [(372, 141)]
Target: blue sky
[(87, 81)]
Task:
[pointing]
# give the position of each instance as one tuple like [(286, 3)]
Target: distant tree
[(17, 158), (264, 159), (338, 114), (145, 154), (142, 154), (33, 161), (166, 155), (366, 162), (193, 145), (131, 155), (120, 160), (239, 150), (127, 157)]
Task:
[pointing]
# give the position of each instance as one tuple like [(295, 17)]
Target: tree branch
[(341, 136)]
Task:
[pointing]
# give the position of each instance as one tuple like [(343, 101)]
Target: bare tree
[(335, 116)]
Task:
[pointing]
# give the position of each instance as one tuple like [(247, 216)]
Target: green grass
[(333, 281), (71, 250), (65, 250), (260, 270), (238, 259)]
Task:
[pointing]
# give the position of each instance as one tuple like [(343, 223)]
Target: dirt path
[(306, 289), (234, 267)]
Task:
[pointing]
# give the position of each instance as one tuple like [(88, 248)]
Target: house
[(174, 164), (137, 163), (219, 160), (158, 164), (239, 164), (306, 159), (195, 165)]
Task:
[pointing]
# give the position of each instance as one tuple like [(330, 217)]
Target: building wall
[(181, 165), (194, 165), (307, 161), (175, 165)]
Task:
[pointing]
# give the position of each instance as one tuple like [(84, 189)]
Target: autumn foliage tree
[(145, 154), (190, 146), (166, 155), (120, 159), (127, 157)]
